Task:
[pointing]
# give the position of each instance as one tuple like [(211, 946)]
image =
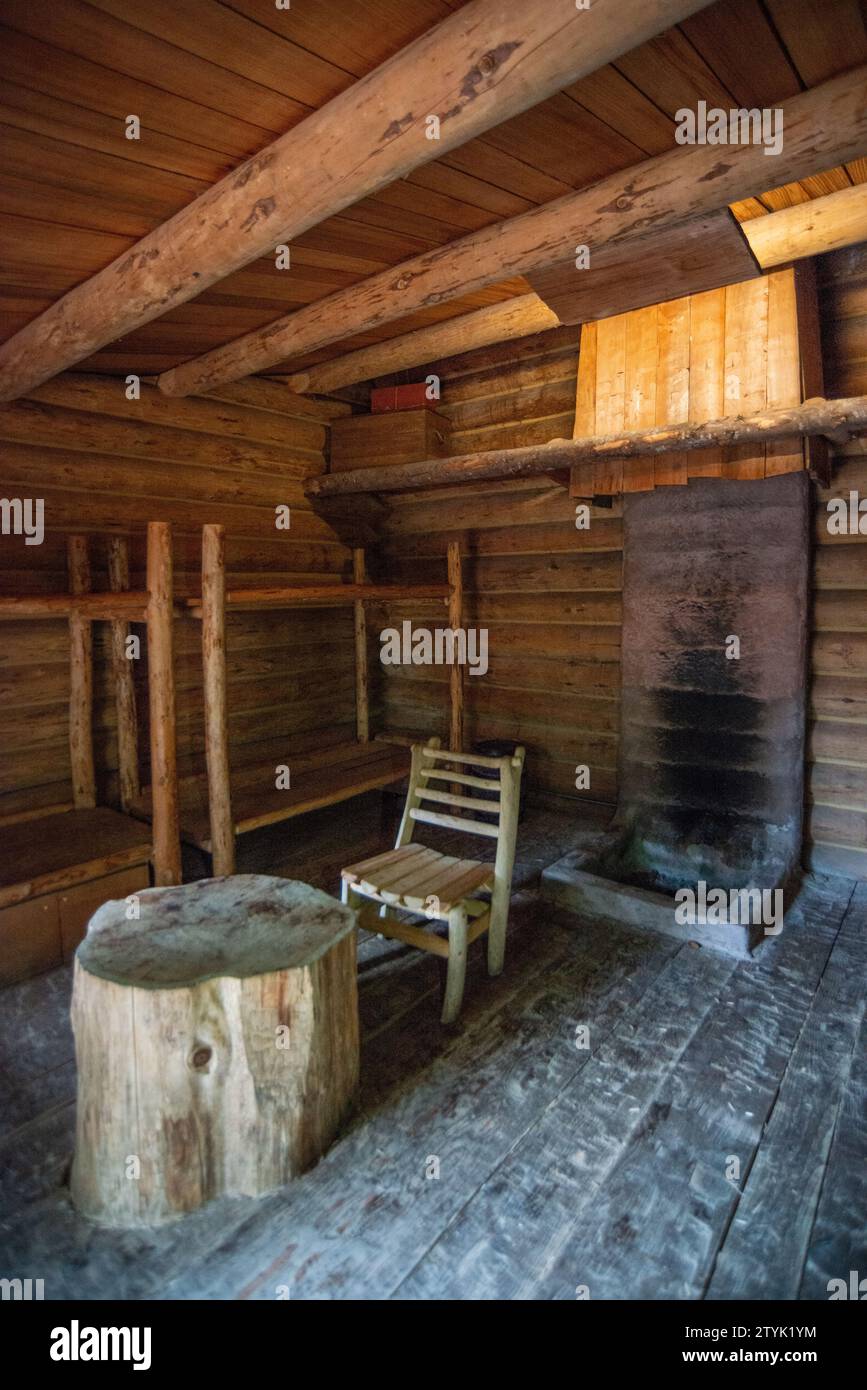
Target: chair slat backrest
[(428, 804)]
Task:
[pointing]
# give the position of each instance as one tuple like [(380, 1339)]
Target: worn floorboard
[(514, 1156)]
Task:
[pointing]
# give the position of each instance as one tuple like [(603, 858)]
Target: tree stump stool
[(217, 1044)]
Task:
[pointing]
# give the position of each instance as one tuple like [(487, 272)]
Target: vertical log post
[(362, 715), (124, 685), (216, 712), (161, 701), (80, 679), (456, 675)]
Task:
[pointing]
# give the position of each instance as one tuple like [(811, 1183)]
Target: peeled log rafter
[(824, 127), (515, 318), (481, 65), (217, 1044), (816, 417), (809, 229)]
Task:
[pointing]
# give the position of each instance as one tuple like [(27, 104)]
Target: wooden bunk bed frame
[(61, 862), (215, 809)]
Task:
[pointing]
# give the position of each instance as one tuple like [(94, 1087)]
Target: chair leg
[(497, 932), (457, 965)]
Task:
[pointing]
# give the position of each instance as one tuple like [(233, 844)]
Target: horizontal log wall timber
[(824, 126), (476, 69), (102, 463), (836, 820)]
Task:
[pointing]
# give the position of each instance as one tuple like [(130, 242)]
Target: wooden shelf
[(129, 606), (48, 853), (319, 596), (320, 778)]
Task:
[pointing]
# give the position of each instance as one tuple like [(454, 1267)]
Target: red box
[(410, 397)]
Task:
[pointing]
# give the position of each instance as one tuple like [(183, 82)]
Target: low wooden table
[(217, 1044)]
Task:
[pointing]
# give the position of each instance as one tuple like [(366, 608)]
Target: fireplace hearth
[(713, 708)]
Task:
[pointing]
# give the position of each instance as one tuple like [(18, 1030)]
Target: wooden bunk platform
[(319, 778), (55, 871)]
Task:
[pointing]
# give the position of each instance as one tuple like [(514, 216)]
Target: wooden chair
[(414, 878)]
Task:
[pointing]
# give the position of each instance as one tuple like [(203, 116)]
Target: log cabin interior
[(433, 597)]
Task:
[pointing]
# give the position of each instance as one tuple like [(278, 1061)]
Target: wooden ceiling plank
[(822, 127), (479, 67), (84, 30), (735, 39), (232, 41), (48, 116), (355, 37), (612, 98), (67, 76), (823, 37), (673, 75)]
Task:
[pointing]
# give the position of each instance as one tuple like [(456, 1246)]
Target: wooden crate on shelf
[(401, 436)]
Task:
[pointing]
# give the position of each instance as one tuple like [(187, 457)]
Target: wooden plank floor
[(706, 1142)]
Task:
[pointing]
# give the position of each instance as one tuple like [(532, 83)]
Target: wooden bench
[(55, 871), (321, 777)]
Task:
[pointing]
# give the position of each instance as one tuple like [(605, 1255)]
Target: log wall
[(836, 820), (547, 593), (105, 465)]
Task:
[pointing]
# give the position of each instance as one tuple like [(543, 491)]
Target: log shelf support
[(211, 608), (831, 418), (216, 698), (161, 696), (80, 680), (124, 686), (362, 709), (456, 671)]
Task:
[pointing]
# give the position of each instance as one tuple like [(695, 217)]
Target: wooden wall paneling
[(610, 395), (639, 390), (784, 367), (581, 475), (706, 375), (745, 369), (672, 384)]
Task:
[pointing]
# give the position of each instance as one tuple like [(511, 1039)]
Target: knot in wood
[(487, 64), (200, 1057), (624, 202)]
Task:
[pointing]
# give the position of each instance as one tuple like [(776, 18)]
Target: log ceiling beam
[(484, 64), (824, 127), (807, 229), (813, 417), (513, 318)]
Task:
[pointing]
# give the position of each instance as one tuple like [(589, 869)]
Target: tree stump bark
[(217, 1044)]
